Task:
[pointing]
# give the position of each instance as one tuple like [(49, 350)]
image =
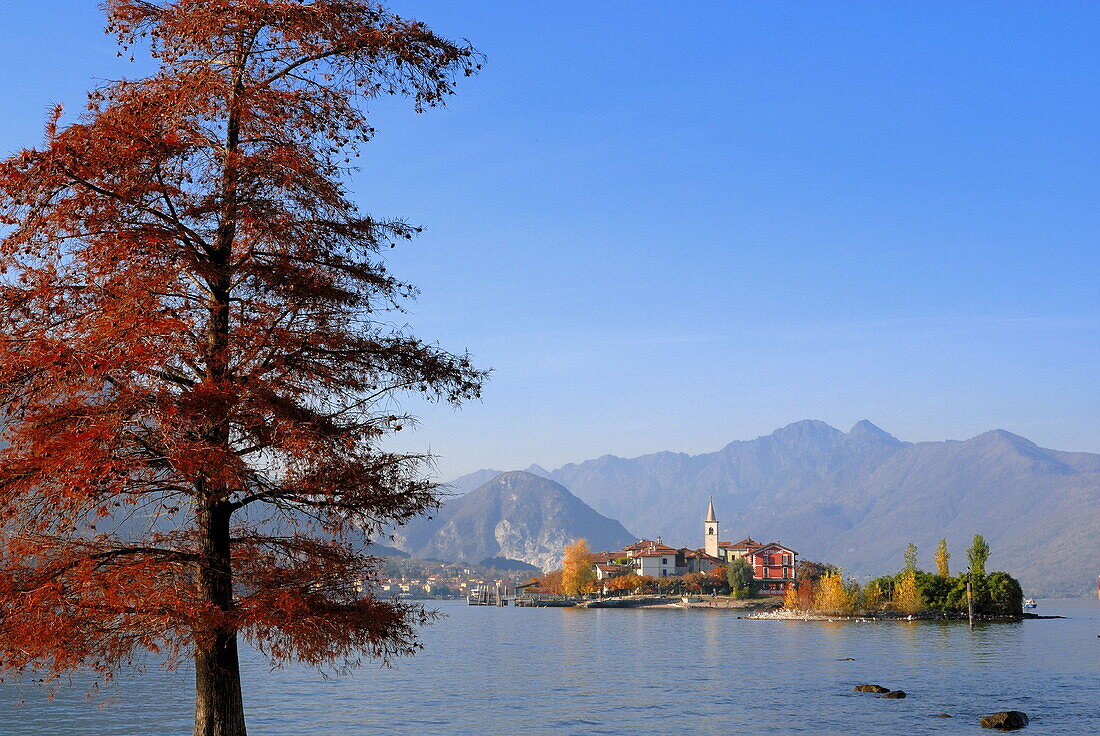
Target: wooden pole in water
[(969, 601)]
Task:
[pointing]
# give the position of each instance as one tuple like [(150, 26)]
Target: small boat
[(1030, 603)]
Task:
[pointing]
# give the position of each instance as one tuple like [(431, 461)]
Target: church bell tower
[(710, 532)]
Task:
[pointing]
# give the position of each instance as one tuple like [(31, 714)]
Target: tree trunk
[(219, 708)]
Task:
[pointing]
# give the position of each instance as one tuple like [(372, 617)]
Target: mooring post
[(969, 601)]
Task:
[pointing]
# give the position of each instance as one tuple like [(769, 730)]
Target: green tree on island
[(977, 555), (739, 576), (911, 558), (942, 558)]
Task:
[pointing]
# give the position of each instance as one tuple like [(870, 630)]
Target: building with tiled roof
[(772, 567), (773, 564), (605, 571)]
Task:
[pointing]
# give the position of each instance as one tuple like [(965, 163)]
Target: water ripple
[(535, 671)]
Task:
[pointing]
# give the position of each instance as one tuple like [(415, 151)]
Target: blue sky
[(672, 225)]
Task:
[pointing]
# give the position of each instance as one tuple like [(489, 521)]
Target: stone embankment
[(693, 602), (741, 604), (785, 614), (630, 601)]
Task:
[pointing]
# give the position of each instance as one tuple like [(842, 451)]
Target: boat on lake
[(1030, 603)]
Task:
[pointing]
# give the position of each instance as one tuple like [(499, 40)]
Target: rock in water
[(895, 694), (1007, 720), (872, 689)]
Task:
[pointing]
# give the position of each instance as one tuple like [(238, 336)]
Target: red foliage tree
[(716, 578), (694, 581), (196, 366)]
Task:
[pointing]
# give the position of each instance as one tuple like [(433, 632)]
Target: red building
[(772, 568), (772, 564)]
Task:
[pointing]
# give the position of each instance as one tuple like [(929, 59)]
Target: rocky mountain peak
[(807, 431), (865, 430), (518, 515)]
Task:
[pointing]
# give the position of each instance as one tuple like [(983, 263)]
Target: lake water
[(566, 671)]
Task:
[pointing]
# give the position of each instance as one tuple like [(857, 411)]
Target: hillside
[(857, 498), (517, 515)]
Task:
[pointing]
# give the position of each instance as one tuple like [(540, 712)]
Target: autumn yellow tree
[(871, 598), (576, 567), (942, 557), (830, 593), (907, 596), (791, 598)]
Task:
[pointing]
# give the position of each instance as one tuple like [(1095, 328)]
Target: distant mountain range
[(857, 498), (516, 515)]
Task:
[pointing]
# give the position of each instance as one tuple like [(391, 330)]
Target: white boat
[(1030, 603)]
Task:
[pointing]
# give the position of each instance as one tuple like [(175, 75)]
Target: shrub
[(1003, 594)]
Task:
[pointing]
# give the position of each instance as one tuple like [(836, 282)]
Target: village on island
[(646, 566), (772, 565), (765, 580), (762, 579)]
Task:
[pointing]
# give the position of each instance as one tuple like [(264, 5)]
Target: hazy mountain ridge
[(517, 515), (857, 498)]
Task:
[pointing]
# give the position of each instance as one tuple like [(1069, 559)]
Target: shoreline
[(891, 616), (684, 602), (768, 609)]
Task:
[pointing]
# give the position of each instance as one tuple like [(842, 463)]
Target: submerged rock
[(942, 715), (872, 689), (1008, 720), (895, 694)]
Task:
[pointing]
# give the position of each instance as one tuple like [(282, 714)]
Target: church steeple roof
[(710, 512)]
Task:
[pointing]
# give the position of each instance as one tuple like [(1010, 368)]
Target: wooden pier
[(487, 595)]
